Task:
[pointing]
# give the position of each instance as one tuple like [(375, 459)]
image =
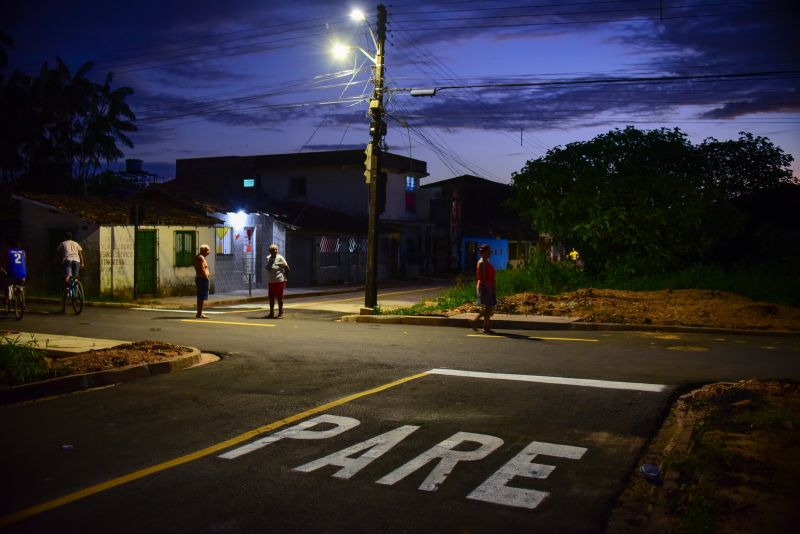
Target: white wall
[(116, 249), (116, 260), (170, 276), (330, 187)]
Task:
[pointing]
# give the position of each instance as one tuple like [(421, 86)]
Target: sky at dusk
[(245, 77)]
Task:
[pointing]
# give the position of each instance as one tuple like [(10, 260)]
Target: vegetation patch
[(22, 362)]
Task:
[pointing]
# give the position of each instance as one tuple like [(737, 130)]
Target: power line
[(648, 79)]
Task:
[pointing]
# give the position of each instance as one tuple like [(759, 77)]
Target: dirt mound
[(729, 455), (120, 356), (686, 307)]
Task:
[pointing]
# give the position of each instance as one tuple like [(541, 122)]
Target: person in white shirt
[(277, 270), (71, 259)]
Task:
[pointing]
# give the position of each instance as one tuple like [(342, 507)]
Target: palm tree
[(108, 119)]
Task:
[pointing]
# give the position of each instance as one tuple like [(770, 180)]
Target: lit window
[(411, 195), (224, 240), (248, 182)]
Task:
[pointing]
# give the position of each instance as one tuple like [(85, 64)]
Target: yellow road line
[(222, 322), (316, 303), (248, 310), (565, 339), (141, 473), (541, 338)]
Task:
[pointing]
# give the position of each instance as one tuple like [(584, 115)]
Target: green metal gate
[(146, 260)]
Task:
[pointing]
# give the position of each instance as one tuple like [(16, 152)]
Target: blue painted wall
[(470, 254)]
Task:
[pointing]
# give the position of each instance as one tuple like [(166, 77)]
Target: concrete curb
[(522, 324), (72, 383), (158, 303)]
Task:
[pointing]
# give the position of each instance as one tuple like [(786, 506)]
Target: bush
[(21, 362)]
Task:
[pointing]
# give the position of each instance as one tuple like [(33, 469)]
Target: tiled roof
[(103, 210)]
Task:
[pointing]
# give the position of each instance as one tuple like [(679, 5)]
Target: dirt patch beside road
[(120, 356), (730, 460), (686, 307)]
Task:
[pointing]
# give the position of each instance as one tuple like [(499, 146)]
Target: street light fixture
[(374, 148)]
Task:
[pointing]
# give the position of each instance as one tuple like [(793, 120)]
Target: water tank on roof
[(133, 166)]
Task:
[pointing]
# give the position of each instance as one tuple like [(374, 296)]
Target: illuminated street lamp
[(373, 151)]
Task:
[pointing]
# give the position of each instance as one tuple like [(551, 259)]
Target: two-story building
[(323, 199)]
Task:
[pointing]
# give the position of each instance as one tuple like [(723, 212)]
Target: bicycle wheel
[(77, 297), (19, 302)]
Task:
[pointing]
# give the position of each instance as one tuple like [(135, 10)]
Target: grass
[(22, 362), (768, 283)]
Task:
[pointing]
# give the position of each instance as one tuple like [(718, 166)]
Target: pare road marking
[(460, 447)]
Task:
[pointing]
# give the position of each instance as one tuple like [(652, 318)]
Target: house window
[(411, 193), (248, 182), (224, 240), (185, 248), (297, 186)]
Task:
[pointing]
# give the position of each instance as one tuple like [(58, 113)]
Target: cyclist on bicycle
[(71, 259), (14, 268)]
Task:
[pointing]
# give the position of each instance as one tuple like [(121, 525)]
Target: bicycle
[(15, 299), (74, 292), (14, 295)]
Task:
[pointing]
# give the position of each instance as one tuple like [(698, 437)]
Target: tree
[(747, 165), (106, 122), (635, 201), (57, 127)]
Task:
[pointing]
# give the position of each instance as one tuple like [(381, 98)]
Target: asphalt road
[(401, 428)]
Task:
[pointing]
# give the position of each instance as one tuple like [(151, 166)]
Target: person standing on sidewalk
[(202, 279), (71, 260), (277, 270), (487, 297)]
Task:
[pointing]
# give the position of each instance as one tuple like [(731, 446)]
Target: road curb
[(72, 383), (422, 320), (157, 304)]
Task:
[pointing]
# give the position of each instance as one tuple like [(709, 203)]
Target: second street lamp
[(374, 151)]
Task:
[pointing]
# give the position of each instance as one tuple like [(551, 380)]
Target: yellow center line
[(141, 473), (359, 298), (223, 322), (248, 310), (565, 339)]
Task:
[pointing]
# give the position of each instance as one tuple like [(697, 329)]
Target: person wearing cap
[(487, 297)]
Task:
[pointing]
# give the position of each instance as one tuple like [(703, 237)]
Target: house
[(468, 211), (324, 200), (248, 225), (131, 248)]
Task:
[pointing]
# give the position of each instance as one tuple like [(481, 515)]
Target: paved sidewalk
[(58, 345)]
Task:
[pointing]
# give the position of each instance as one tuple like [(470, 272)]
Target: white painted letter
[(449, 459), (376, 446), (494, 489), (298, 431)]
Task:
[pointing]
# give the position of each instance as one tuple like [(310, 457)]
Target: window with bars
[(185, 248), (224, 240)]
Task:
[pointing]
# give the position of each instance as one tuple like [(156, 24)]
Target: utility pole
[(377, 128)]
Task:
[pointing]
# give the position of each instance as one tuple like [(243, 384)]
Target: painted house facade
[(122, 260)]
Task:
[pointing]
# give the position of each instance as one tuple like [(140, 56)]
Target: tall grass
[(21, 362), (767, 283)]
